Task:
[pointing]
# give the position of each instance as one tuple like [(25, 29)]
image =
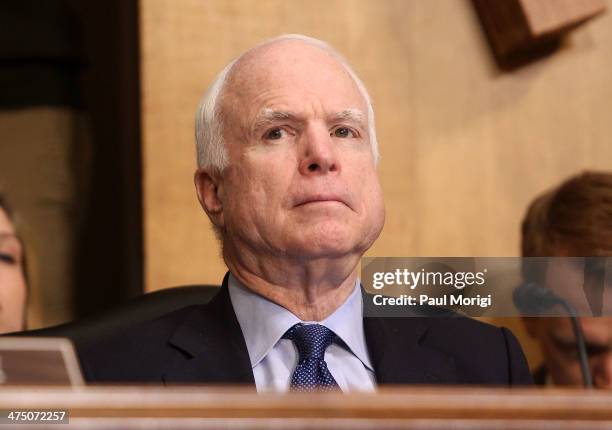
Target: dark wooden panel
[(520, 30)]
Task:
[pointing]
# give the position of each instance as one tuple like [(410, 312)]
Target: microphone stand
[(531, 298), (582, 353)]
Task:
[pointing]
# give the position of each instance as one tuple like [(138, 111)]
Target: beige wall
[(39, 173), (464, 146)]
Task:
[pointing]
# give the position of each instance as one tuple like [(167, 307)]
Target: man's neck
[(312, 290)]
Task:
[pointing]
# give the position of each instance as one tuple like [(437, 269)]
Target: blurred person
[(287, 174), (12, 274), (572, 220)]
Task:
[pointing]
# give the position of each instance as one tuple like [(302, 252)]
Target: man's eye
[(275, 134), (594, 350), (343, 132)]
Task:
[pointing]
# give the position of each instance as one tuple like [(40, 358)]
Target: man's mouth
[(320, 199)]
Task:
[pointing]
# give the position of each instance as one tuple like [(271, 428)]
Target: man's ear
[(209, 187)]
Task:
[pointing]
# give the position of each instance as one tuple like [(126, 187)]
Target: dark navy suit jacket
[(204, 344)]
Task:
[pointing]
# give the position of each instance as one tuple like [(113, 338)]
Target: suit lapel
[(212, 346), (213, 349), (399, 354)]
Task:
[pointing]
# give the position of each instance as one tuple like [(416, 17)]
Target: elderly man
[(287, 159)]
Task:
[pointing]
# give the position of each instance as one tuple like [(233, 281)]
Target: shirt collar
[(263, 322)]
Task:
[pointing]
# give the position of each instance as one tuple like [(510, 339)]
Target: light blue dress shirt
[(274, 359)]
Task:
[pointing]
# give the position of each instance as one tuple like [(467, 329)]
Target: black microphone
[(533, 299)]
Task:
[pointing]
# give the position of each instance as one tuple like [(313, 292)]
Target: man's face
[(12, 283), (558, 345), (301, 182)]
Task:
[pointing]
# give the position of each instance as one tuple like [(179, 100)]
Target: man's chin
[(323, 246)]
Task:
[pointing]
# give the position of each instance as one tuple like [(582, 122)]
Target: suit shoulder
[(462, 325), (468, 331), (482, 352)]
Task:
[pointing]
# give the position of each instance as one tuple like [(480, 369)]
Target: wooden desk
[(176, 408)]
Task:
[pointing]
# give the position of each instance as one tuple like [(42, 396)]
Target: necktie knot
[(311, 340), (311, 373)]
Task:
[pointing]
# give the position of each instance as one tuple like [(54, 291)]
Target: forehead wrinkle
[(260, 63), (271, 115), (598, 334), (592, 336)]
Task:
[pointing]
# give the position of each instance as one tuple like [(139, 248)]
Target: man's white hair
[(210, 145)]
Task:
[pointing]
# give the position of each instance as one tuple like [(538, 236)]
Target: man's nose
[(602, 371), (318, 153)]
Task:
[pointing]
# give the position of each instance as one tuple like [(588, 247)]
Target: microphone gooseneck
[(532, 299)]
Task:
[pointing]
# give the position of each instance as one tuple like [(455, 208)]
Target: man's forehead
[(601, 325), (270, 54), (293, 63), (254, 103), (594, 328)]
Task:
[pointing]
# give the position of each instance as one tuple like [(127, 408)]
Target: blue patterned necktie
[(311, 372)]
